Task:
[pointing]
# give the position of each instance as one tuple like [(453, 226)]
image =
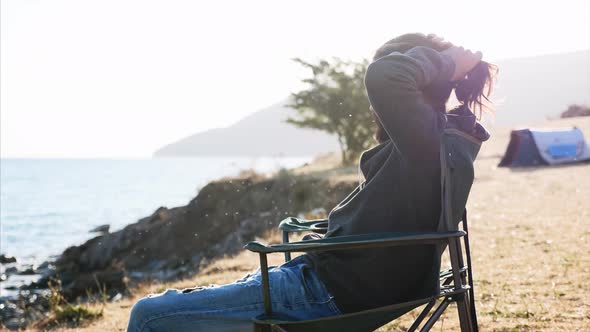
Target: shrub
[(576, 110), (63, 312)]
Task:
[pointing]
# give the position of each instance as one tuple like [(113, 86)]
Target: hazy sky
[(121, 78)]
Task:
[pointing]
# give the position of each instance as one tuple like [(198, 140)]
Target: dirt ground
[(530, 237)]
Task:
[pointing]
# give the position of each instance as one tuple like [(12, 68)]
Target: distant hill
[(263, 133), (528, 89)]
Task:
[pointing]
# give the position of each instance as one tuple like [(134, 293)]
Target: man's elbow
[(384, 77), (375, 76)]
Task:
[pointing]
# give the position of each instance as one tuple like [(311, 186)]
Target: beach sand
[(530, 238)]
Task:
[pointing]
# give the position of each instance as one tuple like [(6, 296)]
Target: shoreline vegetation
[(529, 238)]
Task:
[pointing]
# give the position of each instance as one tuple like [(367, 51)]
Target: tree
[(335, 102)]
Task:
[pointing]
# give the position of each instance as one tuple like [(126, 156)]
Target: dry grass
[(530, 233)]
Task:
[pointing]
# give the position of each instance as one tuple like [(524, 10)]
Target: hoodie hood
[(463, 119), (460, 118)]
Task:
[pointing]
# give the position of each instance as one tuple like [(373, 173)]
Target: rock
[(101, 229), (28, 271), (81, 284), (45, 270), (27, 307), (7, 259), (44, 265), (15, 323), (175, 242)]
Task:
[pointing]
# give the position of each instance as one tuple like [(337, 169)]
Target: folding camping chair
[(456, 282)]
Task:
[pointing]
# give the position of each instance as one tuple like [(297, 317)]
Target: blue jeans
[(296, 293)]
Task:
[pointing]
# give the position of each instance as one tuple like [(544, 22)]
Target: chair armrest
[(293, 224), (356, 242)]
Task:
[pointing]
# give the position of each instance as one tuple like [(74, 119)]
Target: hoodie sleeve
[(394, 85)]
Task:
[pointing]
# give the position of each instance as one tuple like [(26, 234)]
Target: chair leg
[(470, 271), (286, 240), (265, 284), (470, 303), (422, 315), (460, 261), (458, 279), (436, 314), (463, 310)]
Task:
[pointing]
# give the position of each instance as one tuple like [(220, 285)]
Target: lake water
[(47, 205)]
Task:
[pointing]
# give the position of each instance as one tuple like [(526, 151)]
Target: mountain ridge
[(526, 91), (262, 133)]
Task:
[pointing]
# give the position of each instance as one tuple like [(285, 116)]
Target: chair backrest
[(457, 154), (457, 157)]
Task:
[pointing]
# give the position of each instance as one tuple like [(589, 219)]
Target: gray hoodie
[(401, 191)]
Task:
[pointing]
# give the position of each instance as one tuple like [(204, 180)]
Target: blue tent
[(535, 147)]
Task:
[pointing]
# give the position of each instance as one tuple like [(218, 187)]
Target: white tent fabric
[(561, 145)]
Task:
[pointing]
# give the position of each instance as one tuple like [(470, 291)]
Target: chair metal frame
[(456, 283)]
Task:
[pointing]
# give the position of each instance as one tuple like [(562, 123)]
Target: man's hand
[(464, 60)]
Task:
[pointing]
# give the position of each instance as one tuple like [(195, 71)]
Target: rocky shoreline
[(172, 243), (19, 304)]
